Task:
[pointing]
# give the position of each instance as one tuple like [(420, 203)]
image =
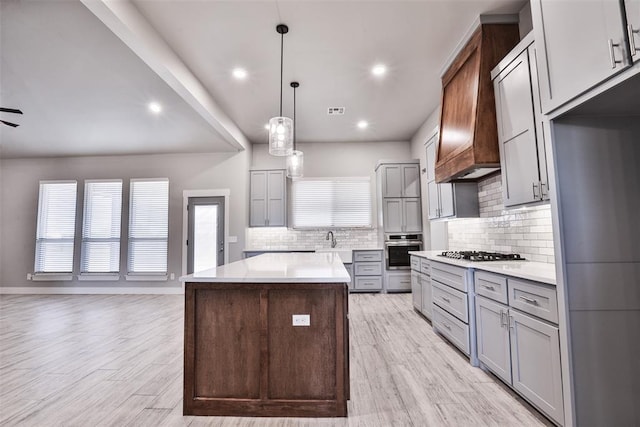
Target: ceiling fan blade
[(10, 110), (13, 125)]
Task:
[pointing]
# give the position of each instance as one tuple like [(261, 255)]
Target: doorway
[(205, 233)]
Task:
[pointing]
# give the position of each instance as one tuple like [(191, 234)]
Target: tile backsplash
[(260, 238), (525, 231)]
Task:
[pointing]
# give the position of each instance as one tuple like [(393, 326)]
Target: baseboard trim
[(35, 290)]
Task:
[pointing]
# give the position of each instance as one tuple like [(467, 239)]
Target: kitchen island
[(268, 336)]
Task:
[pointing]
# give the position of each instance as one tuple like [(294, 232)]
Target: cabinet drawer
[(415, 263), (367, 256), (399, 282), (368, 283), (453, 329), (534, 298), (491, 286), (425, 266), (368, 269), (449, 275), (453, 301)]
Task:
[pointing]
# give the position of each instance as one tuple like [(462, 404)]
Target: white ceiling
[(84, 91)]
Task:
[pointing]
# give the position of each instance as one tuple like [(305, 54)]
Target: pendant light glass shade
[(295, 164), (280, 136)]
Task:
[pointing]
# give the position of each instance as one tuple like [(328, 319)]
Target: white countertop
[(531, 270), (277, 268)]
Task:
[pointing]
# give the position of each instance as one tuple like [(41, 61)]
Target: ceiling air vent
[(335, 111)]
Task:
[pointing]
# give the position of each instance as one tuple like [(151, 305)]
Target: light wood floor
[(117, 360)]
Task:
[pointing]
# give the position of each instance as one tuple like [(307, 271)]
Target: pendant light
[(295, 161), (281, 128)]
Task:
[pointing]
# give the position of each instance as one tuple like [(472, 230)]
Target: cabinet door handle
[(511, 323), (543, 194), (503, 319), (534, 187), (612, 54), (529, 300), (632, 40)]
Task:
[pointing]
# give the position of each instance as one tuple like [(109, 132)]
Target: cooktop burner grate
[(481, 256)]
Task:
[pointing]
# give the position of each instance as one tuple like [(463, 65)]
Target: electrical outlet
[(301, 319), (172, 276), (29, 276)]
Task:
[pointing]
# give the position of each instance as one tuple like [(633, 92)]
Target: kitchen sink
[(346, 255)]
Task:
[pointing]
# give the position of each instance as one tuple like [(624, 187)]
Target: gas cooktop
[(481, 256)]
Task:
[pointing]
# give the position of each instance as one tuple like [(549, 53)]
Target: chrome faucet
[(334, 242)]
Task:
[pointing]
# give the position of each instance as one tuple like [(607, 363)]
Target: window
[(56, 227), (101, 226), (336, 202), (148, 225)]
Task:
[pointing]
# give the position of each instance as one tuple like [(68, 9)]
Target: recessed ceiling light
[(239, 73), (363, 124), (379, 70), (155, 107)]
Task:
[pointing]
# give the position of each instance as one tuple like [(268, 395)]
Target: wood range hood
[(468, 142)]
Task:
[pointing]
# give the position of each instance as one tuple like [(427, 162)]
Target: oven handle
[(405, 243)]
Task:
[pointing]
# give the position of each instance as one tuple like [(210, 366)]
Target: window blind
[(101, 226), (335, 202), (148, 226), (56, 227)]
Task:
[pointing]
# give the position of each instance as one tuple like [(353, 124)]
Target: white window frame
[(145, 276), (58, 275), (366, 179), (92, 275)]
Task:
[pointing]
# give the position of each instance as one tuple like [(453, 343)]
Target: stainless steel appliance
[(481, 256), (397, 248)]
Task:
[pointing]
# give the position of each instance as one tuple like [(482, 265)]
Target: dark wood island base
[(244, 357)]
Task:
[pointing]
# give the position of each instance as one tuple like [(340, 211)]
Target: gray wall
[(435, 232), (336, 159), (19, 199)]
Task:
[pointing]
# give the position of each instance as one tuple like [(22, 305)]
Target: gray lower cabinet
[(416, 290), (421, 285), (267, 198), (516, 346), (367, 274), (520, 135)]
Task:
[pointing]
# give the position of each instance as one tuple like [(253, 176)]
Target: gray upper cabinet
[(580, 44), (520, 136), (632, 8), (267, 204), (401, 180), (448, 200), (402, 215)]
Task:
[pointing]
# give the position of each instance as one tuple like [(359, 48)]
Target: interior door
[(205, 234)]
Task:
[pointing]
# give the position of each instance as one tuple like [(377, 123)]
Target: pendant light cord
[(294, 119), (281, 66)]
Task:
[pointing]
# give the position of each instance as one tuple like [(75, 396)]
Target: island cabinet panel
[(243, 355), (302, 359), (229, 333)]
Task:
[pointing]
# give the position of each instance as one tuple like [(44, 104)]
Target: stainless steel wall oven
[(397, 247)]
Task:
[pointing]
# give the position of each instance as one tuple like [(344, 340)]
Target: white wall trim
[(20, 290), (222, 192)]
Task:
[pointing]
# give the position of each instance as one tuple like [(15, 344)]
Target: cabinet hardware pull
[(632, 41), (543, 194), (503, 319), (511, 323), (445, 299), (528, 300), (491, 288), (612, 54), (534, 186), (446, 326)]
